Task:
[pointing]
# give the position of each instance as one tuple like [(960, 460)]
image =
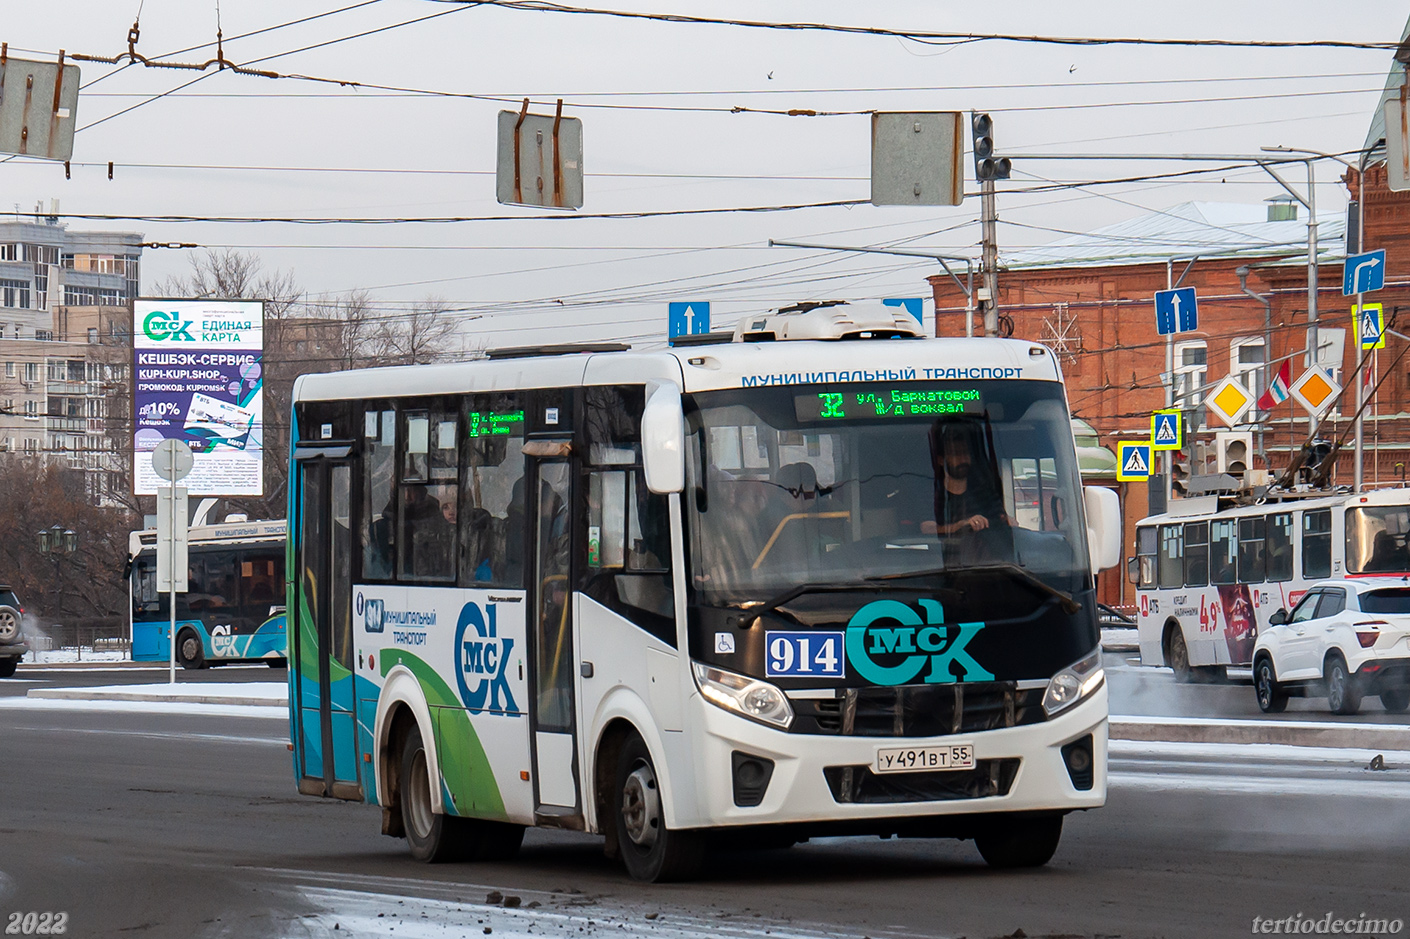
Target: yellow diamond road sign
[(1229, 400), (1314, 390)]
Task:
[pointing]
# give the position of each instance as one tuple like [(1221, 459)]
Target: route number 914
[(37, 924), (811, 654)]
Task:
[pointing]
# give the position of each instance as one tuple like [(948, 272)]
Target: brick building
[(1089, 298)]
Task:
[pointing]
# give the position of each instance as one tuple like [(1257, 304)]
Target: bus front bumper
[(825, 780)]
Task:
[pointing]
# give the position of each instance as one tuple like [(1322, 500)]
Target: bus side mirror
[(1133, 570), (1278, 618), (1103, 526), (663, 438)]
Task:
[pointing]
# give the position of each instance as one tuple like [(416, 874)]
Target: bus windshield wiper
[(1069, 605), (793, 593)]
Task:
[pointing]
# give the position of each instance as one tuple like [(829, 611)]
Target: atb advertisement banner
[(199, 377)]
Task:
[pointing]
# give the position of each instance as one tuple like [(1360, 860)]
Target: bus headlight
[(1073, 684), (750, 697)]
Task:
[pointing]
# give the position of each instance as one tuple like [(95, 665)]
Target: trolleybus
[(819, 576), (1210, 572), (233, 610)]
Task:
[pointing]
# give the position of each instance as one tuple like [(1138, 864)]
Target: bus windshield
[(1376, 539), (865, 484)]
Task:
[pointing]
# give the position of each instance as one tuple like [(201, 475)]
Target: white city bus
[(1210, 572), (676, 595)]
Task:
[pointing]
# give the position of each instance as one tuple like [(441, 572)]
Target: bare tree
[(227, 274), (421, 335)]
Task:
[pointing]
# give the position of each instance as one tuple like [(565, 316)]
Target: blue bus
[(233, 609)]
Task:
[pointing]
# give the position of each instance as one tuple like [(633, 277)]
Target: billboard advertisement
[(198, 376)]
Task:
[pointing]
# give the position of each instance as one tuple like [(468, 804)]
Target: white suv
[(1345, 639)]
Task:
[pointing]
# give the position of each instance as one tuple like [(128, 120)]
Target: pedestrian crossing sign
[(1167, 431), (1133, 461), (1370, 325)]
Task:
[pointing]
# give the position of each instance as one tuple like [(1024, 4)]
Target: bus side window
[(628, 526), (492, 520), (427, 496), (1145, 554), (1172, 572), (1196, 554), (379, 512), (1317, 544), (1279, 547), (1251, 550), (1224, 552)]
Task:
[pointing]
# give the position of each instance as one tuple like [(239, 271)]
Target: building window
[(15, 294), (44, 335), (9, 369), (1246, 358), (1191, 358), (31, 371), (9, 252), (31, 408)]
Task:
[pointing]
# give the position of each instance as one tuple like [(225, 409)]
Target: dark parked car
[(12, 644)]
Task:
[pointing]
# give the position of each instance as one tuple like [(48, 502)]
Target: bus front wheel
[(189, 651), (1177, 654), (651, 851), (1019, 841)]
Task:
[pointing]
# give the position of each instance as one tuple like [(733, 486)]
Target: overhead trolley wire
[(929, 36)]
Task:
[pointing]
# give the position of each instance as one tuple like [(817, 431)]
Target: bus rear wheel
[(1019, 841), (651, 851), (434, 838), (189, 651)]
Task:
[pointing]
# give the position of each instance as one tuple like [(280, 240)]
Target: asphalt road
[(1136, 690), (189, 826), (76, 675)]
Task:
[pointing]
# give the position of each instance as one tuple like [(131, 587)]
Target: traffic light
[(1180, 473), (986, 165), (1233, 453)]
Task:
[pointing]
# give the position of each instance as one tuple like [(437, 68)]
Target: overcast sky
[(614, 277)]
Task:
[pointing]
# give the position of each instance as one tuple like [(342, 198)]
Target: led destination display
[(870, 403)]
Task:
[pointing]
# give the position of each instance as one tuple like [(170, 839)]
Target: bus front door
[(554, 659), (320, 633)]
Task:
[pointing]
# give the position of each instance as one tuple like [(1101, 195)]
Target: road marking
[(158, 735)]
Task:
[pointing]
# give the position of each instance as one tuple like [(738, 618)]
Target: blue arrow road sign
[(1176, 311), (688, 319), (1363, 273)]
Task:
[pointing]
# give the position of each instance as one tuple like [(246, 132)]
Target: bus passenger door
[(554, 659), (320, 632)]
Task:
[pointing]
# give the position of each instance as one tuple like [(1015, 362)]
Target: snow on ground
[(146, 707), (275, 692), (50, 656), (348, 914)]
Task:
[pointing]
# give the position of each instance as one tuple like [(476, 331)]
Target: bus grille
[(858, 784), (919, 710)]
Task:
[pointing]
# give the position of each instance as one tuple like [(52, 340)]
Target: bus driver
[(967, 498)]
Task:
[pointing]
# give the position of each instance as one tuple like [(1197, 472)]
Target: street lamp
[(58, 541)]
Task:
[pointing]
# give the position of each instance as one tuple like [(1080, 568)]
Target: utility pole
[(988, 168), (989, 259)]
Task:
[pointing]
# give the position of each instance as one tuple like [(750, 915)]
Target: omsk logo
[(481, 658), (888, 643), (161, 326)]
